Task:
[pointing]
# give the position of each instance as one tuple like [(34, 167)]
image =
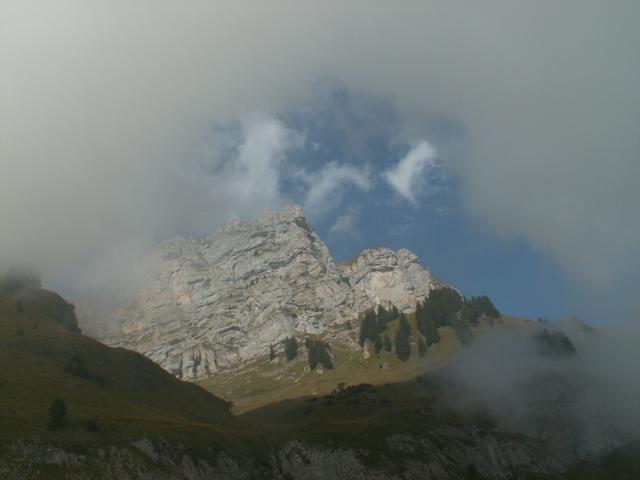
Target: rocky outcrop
[(213, 303), (382, 276), (444, 455)]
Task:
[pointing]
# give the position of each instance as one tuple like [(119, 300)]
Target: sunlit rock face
[(213, 303), (382, 276)]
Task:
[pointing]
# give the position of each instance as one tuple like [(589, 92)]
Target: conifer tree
[(422, 348), (318, 352), (325, 357), (431, 332), (443, 305), (312, 353), (403, 349), (291, 348), (57, 414), (377, 344), (368, 327), (425, 324), (387, 342)]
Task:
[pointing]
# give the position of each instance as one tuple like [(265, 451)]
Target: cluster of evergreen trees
[(374, 326), (319, 352), (426, 324), (444, 307), (475, 307), (553, 343)]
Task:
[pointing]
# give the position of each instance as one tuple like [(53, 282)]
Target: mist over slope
[(581, 399)]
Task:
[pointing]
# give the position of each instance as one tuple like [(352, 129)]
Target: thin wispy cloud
[(407, 178), (345, 227), (327, 187), (250, 176)]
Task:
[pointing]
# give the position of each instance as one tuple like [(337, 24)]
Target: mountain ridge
[(212, 303)]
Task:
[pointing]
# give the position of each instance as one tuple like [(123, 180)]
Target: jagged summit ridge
[(216, 302)]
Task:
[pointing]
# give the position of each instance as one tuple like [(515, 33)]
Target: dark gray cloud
[(100, 106)]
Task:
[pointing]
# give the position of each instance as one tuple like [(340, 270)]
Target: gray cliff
[(213, 303)]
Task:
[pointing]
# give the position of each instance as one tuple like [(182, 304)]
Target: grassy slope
[(264, 382), (140, 399), (357, 420), (365, 421), (312, 410), (137, 398)]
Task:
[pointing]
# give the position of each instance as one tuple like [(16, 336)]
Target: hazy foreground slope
[(126, 397), (151, 425), (38, 353), (146, 424)]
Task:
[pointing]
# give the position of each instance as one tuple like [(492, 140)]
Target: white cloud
[(345, 228), (327, 187), (250, 179), (407, 177)]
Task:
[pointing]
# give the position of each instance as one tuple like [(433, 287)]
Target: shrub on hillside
[(77, 367), (91, 425), (57, 414)]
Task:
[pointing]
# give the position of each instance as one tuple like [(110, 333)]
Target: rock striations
[(213, 303)]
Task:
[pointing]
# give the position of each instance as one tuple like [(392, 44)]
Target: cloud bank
[(101, 107), (584, 403)]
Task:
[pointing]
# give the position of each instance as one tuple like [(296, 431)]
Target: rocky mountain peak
[(213, 303)]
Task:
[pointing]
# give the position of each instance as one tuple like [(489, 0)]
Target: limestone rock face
[(382, 276), (214, 303)]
